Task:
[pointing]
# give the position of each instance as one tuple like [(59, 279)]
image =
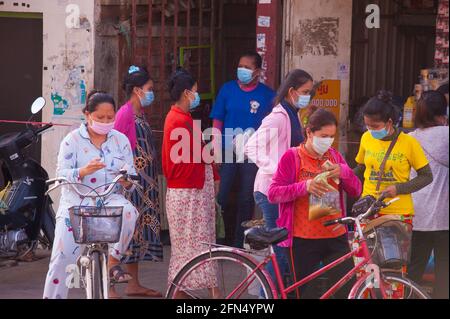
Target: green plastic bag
[(220, 225)]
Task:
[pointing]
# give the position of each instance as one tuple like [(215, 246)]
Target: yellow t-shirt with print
[(407, 154)]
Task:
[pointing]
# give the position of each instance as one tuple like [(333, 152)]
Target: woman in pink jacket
[(279, 131), (292, 186)]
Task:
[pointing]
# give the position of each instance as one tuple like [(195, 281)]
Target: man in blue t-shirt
[(241, 106)]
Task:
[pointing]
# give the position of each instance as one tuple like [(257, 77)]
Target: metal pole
[(162, 77), (133, 30), (175, 37), (149, 35)]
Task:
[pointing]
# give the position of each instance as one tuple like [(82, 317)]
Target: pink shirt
[(125, 123), (267, 145), (285, 189)]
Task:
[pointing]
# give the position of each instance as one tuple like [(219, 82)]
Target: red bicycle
[(241, 273)]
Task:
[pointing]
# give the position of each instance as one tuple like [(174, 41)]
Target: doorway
[(21, 71)]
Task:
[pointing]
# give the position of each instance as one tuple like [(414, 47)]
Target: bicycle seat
[(260, 237)]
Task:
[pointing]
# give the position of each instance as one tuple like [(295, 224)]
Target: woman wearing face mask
[(130, 120), (241, 105), (432, 202), (406, 154), (93, 155), (190, 199), (282, 128), (310, 242)]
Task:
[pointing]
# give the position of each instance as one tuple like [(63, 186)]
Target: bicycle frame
[(284, 291), (103, 253)]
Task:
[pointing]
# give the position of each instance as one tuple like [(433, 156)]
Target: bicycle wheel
[(231, 278), (398, 288), (94, 287)]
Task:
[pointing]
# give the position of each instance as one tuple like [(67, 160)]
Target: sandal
[(118, 276)]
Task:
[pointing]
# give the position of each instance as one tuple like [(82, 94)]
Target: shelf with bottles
[(429, 79)]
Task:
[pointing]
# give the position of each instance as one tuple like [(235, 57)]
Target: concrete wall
[(317, 37), (68, 46)]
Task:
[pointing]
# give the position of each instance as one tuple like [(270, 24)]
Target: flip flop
[(147, 293), (118, 276)]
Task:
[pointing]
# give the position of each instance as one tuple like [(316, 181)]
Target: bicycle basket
[(390, 243), (96, 224)]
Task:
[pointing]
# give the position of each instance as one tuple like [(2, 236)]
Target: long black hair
[(135, 77), (95, 98), (295, 79), (180, 81), (380, 108)]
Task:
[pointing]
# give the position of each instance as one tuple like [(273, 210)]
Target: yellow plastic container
[(409, 111)]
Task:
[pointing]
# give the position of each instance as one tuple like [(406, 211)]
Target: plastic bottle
[(409, 112)]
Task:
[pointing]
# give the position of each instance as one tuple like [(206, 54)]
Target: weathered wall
[(318, 39), (68, 65)]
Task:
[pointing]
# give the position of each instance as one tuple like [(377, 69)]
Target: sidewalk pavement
[(26, 280)]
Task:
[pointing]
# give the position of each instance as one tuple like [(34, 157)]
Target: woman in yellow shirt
[(379, 117)]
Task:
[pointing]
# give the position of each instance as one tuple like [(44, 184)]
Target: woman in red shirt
[(190, 200)]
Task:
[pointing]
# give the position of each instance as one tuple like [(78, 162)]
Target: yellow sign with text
[(328, 97)]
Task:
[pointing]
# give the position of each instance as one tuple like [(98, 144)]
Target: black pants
[(306, 257), (245, 173), (423, 243)]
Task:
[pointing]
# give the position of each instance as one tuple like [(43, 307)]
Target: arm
[(218, 124), (216, 173), (349, 181), (424, 178), (124, 122), (359, 171), (67, 160), (284, 187), (129, 158), (129, 164), (361, 167), (263, 143), (219, 109)]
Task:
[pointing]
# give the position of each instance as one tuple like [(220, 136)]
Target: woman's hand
[(334, 171), (125, 184), (316, 188), (93, 166), (216, 187), (391, 191)]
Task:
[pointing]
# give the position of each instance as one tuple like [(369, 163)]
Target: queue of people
[(282, 160)]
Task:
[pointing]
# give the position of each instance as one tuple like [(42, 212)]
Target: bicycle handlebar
[(61, 181), (370, 211)]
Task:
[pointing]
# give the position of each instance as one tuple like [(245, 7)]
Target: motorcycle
[(27, 218)]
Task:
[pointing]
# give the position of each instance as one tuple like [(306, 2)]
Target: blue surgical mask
[(303, 101), (245, 76), (196, 102), (148, 99), (380, 134)]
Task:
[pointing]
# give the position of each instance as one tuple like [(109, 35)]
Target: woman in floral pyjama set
[(76, 152)]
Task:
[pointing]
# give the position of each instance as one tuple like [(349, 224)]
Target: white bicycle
[(95, 228)]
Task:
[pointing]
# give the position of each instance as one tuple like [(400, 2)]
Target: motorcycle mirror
[(38, 105)]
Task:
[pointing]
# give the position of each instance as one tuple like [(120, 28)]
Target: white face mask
[(322, 144)]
